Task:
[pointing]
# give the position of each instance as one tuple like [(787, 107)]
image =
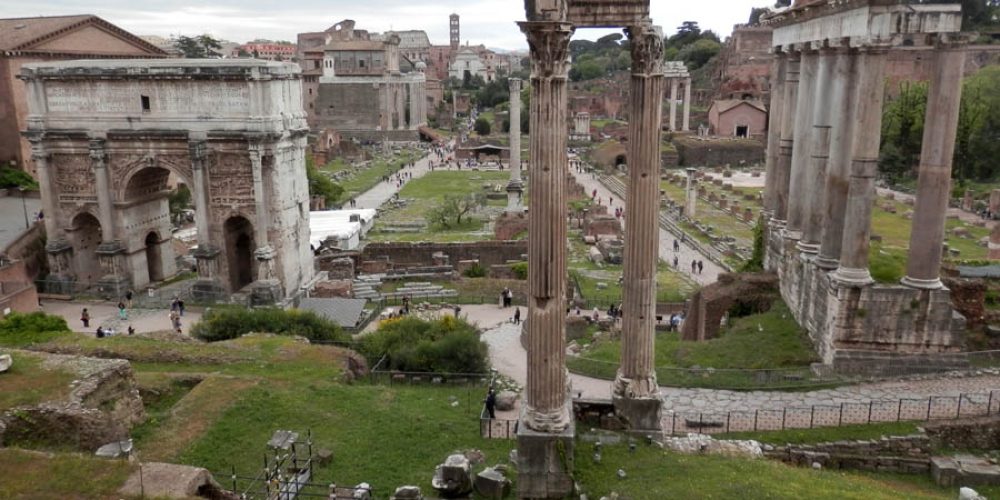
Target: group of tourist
[(506, 297)]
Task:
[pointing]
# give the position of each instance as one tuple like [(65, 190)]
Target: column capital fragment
[(548, 42), (647, 50)]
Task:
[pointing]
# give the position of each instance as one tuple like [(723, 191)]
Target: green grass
[(28, 474), (27, 383), (365, 179), (654, 474), (671, 286), (781, 344), (827, 434)]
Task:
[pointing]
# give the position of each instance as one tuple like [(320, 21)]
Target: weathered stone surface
[(491, 483), (453, 478), (704, 444), (506, 400), (407, 493), (6, 361), (162, 480), (116, 449)]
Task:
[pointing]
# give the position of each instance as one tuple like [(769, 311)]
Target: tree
[(198, 47), (321, 185), (482, 126), (902, 130), (698, 53), (450, 212)]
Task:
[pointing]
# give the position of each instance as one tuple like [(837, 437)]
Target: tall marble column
[(57, 248), (690, 194), (853, 270), (635, 393), (819, 141), (786, 142), (266, 289), (801, 150), (774, 129), (944, 95), (206, 255), (838, 169), (110, 253), (673, 104), (515, 187), (546, 409), (41, 158), (686, 125)]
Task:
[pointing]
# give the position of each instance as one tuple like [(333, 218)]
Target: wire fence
[(964, 405)]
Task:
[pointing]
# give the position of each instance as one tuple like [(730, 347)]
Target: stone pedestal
[(690, 195), (115, 281), (544, 463), (208, 287), (60, 280), (266, 290)]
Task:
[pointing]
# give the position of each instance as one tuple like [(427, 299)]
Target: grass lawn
[(31, 474), (827, 434), (654, 474), (723, 223), (27, 383), (428, 192), (770, 340), (365, 179)]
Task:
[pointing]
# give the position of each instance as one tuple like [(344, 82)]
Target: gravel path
[(710, 273)]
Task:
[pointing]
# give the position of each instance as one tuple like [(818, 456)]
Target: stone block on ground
[(576, 327), (5, 362), (453, 478), (407, 493), (162, 480), (506, 400), (491, 483), (116, 449)]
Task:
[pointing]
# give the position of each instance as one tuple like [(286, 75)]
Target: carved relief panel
[(73, 178), (230, 180)]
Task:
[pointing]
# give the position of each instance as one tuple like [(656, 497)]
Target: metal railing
[(964, 405), (496, 428)]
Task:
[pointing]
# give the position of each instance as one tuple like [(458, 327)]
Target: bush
[(520, 270), (475, 271), (482, 126), (229, 323), (447, 345), (20, 329), (13, 178)]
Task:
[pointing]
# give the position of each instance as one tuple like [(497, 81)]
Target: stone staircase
[(366, 287), (421, 289)]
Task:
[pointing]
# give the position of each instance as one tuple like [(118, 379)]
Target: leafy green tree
[(454, 207), (197, 47), (321, 185), (902, 130), (698, 53), (482, 126)]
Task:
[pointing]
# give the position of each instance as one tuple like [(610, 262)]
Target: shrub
[(475, 271), (20, 329), (482, 126), (445, 345), (520, 270), (230, 322), (13, 178)]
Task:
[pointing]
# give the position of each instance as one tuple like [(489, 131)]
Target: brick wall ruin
[(421, 254)]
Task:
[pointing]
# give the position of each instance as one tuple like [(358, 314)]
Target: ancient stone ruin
[(109, 138), (822, 155)]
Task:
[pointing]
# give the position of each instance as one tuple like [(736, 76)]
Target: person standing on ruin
[(128, 298), (491, 403)]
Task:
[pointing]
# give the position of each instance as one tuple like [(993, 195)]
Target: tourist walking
[(517, 315), (675, 262), (122, 313), (694, 266), (701, 266), (85, 318), (677, 246), (180, 307), (128, 298), (491, 403)]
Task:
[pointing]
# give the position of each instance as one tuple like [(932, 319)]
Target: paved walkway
[(105, 314), (508, 357), (383, 191), (710, 273), (12, 215)]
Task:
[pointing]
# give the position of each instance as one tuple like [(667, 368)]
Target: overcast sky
[(490, 22)]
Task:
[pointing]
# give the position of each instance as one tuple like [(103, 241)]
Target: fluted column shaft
[(546, 408), (786, 143), (199, 186), (41, 158), (944, 95), (774, 128), (838, 169), (673, 104), (98, 159), (515, 129), (687, 105), (815, 177), (636, 375), (801, 150), (853, 268)]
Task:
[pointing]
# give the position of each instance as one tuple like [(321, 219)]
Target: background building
[(38, 39)]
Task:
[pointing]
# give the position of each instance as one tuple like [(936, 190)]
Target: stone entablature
[(109, 138)]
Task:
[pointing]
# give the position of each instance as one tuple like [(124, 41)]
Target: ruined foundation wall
[(404, 255)]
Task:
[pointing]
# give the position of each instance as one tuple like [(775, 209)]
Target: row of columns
[(686, 116), (822, 158)]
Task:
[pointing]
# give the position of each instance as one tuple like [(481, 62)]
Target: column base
[(921, 284), (812, 249), (638, 403), (792, 234), (206, 259), (266, 292), (826, 263), (208, 290), (113, 286), (544, 462), (852, 277)]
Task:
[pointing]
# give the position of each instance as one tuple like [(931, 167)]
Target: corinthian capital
[(647, 50), (549, 45)]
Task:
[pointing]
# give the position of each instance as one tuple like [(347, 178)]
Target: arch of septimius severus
[(108, 137)]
